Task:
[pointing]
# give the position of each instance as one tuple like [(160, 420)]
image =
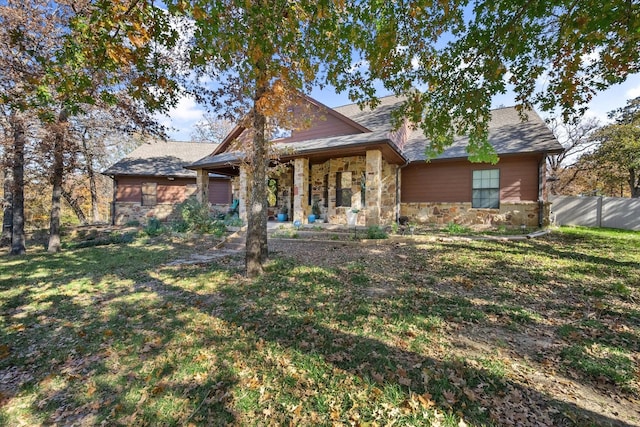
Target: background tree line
[(599, 159), (248, 61)]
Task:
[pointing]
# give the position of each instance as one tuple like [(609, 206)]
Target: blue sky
[(187, 113)]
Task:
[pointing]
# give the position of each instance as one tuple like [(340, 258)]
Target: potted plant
[(352, 216), (315, 212), (282, 215)]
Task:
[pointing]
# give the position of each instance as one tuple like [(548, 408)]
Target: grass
[(413, 335)]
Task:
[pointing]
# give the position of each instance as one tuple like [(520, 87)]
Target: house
[(353, 164), (152, 181)]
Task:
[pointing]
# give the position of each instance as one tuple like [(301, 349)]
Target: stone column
[(300, 190), (374, 187), (243, 193), (202, 183)]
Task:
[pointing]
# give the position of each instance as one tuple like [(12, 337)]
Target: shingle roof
[(161, 158), (507, 133), (302, 147), (375, 120)]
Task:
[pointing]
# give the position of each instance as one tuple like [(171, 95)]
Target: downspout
[(398, 169), (113, 201), (541, 171)]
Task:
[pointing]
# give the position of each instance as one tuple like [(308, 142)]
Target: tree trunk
[(257, 212), (59, 135), (75, 206), (7, 208), (88, 156), (18, 240), (634, 184)]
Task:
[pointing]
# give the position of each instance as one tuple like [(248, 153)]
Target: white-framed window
[(486, 189)]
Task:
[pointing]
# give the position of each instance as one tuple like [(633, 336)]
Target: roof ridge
[(355, 103)]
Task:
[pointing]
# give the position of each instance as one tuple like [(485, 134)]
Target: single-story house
[(355, 167), (152, 181)]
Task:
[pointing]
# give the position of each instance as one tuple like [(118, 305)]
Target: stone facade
[(126, 212), (509, 214), (380, 181), (371, 173)]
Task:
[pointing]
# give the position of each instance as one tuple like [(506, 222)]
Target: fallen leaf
[(450, 397)]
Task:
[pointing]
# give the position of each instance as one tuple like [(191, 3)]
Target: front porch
[(360, 186)]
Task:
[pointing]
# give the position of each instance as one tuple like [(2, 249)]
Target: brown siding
[(436, 182), (323, 125), (219, 191), (171, 191), (129, 189), (450, 181)]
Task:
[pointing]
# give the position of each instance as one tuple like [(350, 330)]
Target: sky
[(182, 119)]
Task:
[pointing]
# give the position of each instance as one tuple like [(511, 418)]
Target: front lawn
[(537, 332)]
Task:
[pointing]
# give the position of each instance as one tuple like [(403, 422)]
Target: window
[(363, 189), (486, 189), (343, 189), (272, 192), (149, 194), (325, 190)]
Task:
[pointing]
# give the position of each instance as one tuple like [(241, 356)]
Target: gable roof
[(318, 149), (238, 130), (378, 119), (507, 133), (161, 158)]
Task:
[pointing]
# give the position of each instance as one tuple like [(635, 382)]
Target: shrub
[(454, 228), (198, 219), (395, 228), (375, 232), (111, 239), (153, 228), (180, 226)]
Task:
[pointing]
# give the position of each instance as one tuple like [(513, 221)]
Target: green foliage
[(197, 218), (454, 228), (466, 52), (153, 227), (376, 232), (315, 209), (233, 221), (616, 161), (113, 238), (180, 226), (395, 227), (601, 361)]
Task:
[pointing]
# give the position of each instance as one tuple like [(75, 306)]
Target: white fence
[(611, 212)]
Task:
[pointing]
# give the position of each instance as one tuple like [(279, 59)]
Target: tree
[(576, 140), (461, 53), (211, 129), (261, 55), (618, 155), (56, 58)]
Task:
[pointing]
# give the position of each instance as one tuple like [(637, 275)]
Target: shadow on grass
[(285, 308)]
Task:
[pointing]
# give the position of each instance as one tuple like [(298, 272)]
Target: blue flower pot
[(282, 217), (311, 218)]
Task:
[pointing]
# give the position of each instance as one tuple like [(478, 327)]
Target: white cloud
[(181, 119), (634, 92), (186, 110)]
